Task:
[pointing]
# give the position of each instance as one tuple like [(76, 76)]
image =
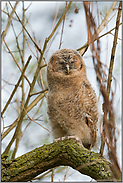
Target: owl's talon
[(56, 140), (76, 139), (69, 137)]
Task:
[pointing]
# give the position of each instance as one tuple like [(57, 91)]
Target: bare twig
[(23, 54), (7, 82), (57, 25), (52, 175), (9, 15), (109, 128), (43, 175), (109, 32), (9, 22), (114, 49), (113, 35), (106, 17), (26, 30), (33, 119), (16, 40), (110, 72), (68, 168), (84, 48), (19, 134), (16, 86), (53, 24), (16, 61), (41, 80), (30, 48), (34, 102), (62, 30), (39, 92)]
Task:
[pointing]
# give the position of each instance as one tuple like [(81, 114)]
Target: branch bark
[(65, 152)]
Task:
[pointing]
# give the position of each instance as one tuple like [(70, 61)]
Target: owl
[(72, 103)]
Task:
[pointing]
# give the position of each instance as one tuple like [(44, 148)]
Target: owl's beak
[(68, 68)]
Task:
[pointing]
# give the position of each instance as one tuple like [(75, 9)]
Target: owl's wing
[(91, 110), (93, 128)]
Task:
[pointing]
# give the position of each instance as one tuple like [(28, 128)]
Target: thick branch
[(65, 152)]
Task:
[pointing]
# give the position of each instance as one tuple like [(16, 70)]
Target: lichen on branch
[(65, 152)]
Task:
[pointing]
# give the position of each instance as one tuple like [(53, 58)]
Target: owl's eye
[(56, 65), (74, 61), (56, 62)]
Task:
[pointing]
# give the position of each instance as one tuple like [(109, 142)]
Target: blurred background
[(40, 19)]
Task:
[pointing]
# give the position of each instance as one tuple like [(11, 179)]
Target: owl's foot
[(69, 137)]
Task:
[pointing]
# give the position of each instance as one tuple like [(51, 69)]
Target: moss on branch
[(66, 152)]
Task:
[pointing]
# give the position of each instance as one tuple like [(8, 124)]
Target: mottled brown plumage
[(72, 103)]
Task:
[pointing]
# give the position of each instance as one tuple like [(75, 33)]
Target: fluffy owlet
[(72, 103)]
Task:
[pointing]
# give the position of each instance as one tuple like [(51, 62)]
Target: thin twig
[(52, 175), (8, 23), (84, 48), (16, 40), (33, 119), (9, 15), (19, 134), (41, 176), (23, 53), (30, 48), (113, 35), (86, 45), (108, 129), (68, 168), (26, 30), (15, 61), (41, 80), (62, 30), (41, 102), (106, 17), (38, 92), (107, 32), (53, 24), (57, 25), (7, 82), (16, 86), (34, 102), (111, 69)]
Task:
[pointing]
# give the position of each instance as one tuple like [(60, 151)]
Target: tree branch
[(9, 22), (16, 86), (33, 103), (84, 48), (65, 152)]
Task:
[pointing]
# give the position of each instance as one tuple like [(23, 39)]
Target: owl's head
[(66, 62)]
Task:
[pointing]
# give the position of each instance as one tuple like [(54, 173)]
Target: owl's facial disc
[(66, 65)]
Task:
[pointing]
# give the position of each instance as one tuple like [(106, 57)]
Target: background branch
[(84, 48), (9, 22)]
